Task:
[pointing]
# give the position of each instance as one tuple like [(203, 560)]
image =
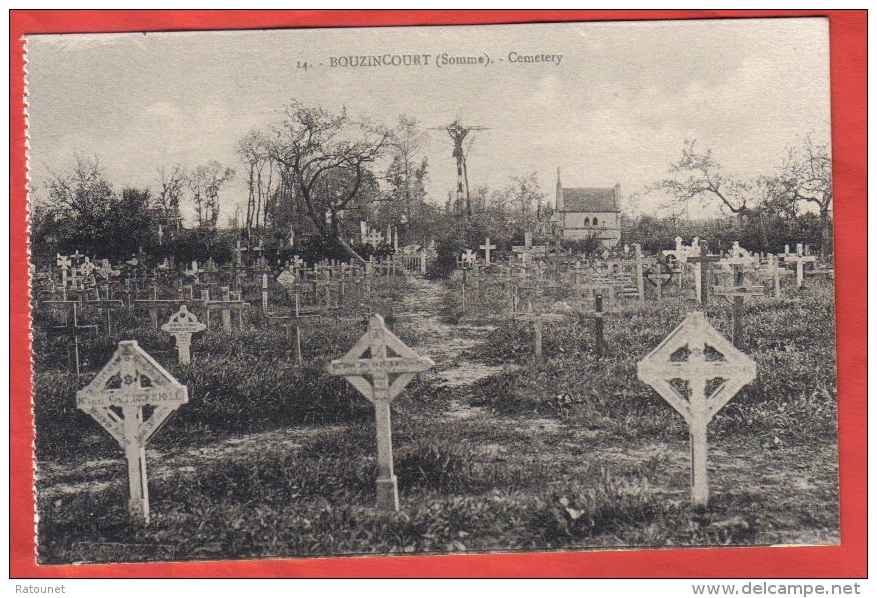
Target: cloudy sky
[(615, 110)]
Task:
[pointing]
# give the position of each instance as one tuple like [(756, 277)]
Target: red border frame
[(849, 132)]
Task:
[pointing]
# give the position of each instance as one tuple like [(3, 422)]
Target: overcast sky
[(615, 110)]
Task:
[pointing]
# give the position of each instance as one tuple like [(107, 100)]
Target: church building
[(581, 212)]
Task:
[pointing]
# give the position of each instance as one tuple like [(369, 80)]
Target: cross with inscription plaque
[(697, 371), (131, 381), (390, 375), (181, 325)]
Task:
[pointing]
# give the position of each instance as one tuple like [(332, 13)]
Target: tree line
[(313, 175)]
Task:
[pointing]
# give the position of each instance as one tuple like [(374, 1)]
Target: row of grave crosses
[(133, 395)]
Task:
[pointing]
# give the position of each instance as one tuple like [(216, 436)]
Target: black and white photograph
[(525, 288)]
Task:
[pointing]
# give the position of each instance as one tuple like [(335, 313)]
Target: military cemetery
[(359, 335)]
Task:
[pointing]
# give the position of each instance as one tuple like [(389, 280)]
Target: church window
[(595, 221)]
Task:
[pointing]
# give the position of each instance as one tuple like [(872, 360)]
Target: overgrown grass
[(248, 469)]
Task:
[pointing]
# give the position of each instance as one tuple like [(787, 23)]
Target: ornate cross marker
[(697, 371), (381, 391), (182, 324), (131, 381)]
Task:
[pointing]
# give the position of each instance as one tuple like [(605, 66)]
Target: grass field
[(275, 459)]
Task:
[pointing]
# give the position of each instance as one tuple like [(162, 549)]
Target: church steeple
[(559, 193)]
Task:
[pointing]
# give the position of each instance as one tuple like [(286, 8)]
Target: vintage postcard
[(412, 291)]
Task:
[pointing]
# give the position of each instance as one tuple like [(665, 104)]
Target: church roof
[(589, 199)]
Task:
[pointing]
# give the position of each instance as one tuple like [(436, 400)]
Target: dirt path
[(444, 343)]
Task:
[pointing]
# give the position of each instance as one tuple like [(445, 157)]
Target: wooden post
[(737, 311), (598, 324), (640, 283), (226, 314), (264, 292)]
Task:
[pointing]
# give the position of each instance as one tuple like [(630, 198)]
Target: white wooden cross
[(374, 238), (697, 371), (105, 270), (130, 381), (63, 262), (181, 325), (379, 342), (227, 304), (487, 247), (86, 268), (468, 258), (799, 259)]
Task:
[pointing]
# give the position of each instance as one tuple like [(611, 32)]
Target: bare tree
[(330, 157), (171, 182), (697, 175), (205, 182), (253, 150)]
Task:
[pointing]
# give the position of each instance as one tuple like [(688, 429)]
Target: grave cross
[(772, 270), (130, 381), (227, 304), (738, 294), (537, 320), (487, 247), (63, 262), (71, 328), (659, 274), (107, 306), (181, 325), (154, 304), (700, 255), (697, 371), (799, 259), (374, 238), (379, 342)]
